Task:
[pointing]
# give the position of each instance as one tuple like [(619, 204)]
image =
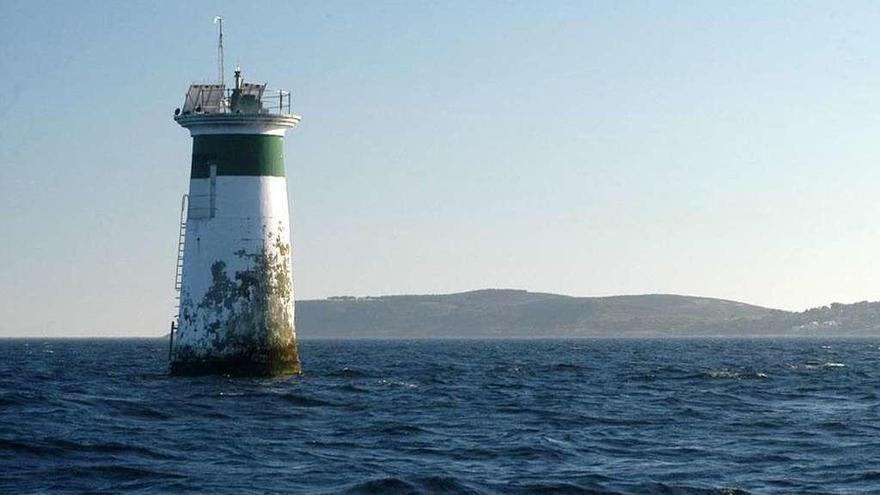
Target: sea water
[(551, 416)]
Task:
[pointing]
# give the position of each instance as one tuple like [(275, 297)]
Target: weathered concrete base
[(281, 362), (242, 322)]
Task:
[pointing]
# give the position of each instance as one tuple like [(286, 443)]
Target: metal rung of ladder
[(181, 244)]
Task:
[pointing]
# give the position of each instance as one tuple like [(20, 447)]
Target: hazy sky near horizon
[(722, 149)]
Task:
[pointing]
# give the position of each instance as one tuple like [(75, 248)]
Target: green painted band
[(237, 154)]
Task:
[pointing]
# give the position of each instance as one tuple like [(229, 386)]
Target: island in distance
[(504, 313)]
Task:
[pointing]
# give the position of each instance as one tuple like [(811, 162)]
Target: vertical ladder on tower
[(181, 244), (178, 273)]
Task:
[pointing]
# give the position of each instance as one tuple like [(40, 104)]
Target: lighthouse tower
[(234, 265)]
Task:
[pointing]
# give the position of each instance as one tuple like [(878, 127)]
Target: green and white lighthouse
[(236, 310)]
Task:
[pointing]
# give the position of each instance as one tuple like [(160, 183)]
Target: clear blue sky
[(724, 149)]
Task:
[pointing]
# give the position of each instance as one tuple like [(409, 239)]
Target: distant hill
[(496, 313)]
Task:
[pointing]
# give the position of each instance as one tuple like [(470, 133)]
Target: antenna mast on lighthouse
[(219, 20)]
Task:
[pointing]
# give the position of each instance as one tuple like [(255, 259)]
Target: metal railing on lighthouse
[(248, 98)]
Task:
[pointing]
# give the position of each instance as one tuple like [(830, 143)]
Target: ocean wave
[(398, 486), (348, 373), (62, 447), (117, 472), (668, 489), (12, 399), (304, 400), (399, 429), (683, 375), (735, 375), (388, 486), (818, 365), (560, 488), (567, 367), (24, 447), (136, 409), (397, 383), (350, 388)]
